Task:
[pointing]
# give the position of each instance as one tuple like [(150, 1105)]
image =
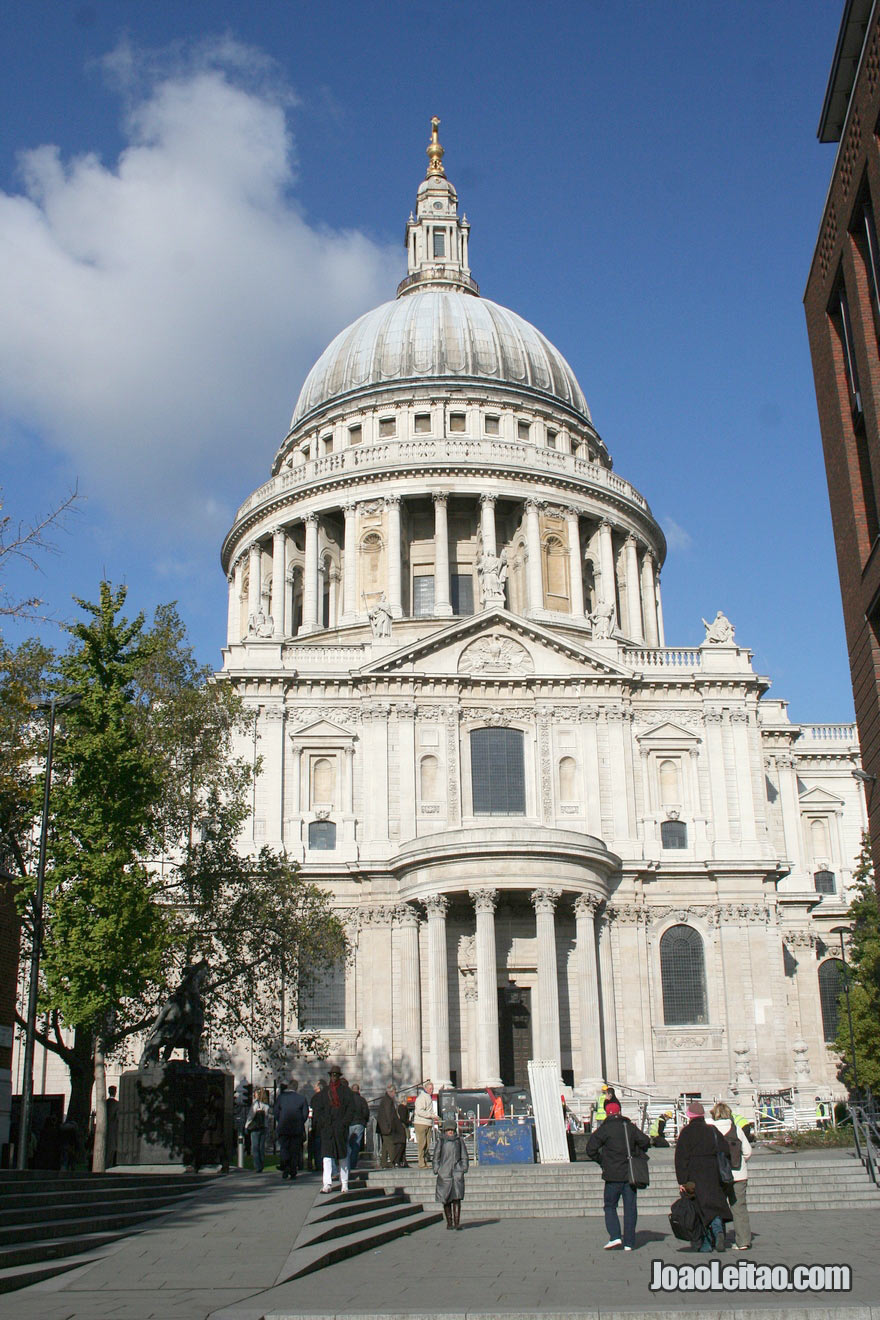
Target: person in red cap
[(611, 1144)]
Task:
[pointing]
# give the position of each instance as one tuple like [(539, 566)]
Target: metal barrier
[(866, 1133)]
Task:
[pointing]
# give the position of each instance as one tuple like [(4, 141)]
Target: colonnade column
[(438, 990), (349, 565), (590, 1076), (409, 1048), (576, 574), (442, 604), (649, 600), (659, 601), (544, 902), (487, 524), (607, 593), (487, 988), (334, 597), (633, 607), (533, 542), (254, 574), (310, 576), (233, 625), (392, 505), (279, 555), (609, 1006)]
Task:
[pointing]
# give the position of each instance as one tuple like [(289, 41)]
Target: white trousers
[(330, 1169)]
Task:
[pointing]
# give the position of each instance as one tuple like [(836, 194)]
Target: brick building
[(842, 303)]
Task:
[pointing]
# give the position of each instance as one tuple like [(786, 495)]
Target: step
[(52, 1199), (311, 1258), (54, 1248), (321, 1231), (22, 1276), (45, 1213), (353, 1207), (68, 1227)]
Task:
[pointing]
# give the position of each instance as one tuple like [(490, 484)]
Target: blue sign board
[(509, 1141)]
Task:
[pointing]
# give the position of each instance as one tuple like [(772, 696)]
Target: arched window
[(429, 778), (670, 783), (683, 976), (824, 882), (819, 840), (322, 835), (673, 834), (323, 781), (568, 779), (371, 564), (497, 772), (830, 989), (556, 572)]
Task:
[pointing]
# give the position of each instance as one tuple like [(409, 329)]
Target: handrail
[(866, 1134)]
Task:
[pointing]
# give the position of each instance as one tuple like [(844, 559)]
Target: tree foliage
[(863, 970)]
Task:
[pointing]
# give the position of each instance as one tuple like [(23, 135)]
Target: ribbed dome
[(445, 335)]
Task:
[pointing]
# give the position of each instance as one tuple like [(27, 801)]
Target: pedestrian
[(423, 1121), (598, 1114), (740, 1151), (291, 1112), (391, 1129), (313, 1146), (47, 1153), (450, 1163), (332, 1115), (822, 1117), (112, 1128), (257, 1125), (404, 1113), (612, 1145), (358, 1126), (657, 1130), (69, 1135), (497, 1111), (698, 1174)]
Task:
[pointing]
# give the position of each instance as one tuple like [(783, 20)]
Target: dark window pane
[(683, 977), (322, 834), (462, 590), (439, 243), (423, 596), (322, 998), (830, 990), (673, 834), (497, 772), (824, 882)]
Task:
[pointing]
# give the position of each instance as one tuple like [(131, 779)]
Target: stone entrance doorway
[(515, 1034)]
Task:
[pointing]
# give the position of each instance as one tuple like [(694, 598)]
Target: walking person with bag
[(257, 1126), (740, 1151), (702, 1166), (621, 1149)]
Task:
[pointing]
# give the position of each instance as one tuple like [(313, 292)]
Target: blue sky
[(195, 197)]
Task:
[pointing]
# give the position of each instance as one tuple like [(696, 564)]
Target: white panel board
[(545, 1084)]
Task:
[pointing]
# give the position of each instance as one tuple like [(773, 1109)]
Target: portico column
[(487, 524), (310, 576), (392, 505), (233, 627), (334, 595), (442, 605), (487, 988), (438, 989), (254, 571), (633, 609), (607, 594), (409, 1030), (590, 1028), (660, 631), (649, 600), (349, 781), (609, 1007), (575, 569), (544, 902), (279, 552), (349, 566), (533, 542)]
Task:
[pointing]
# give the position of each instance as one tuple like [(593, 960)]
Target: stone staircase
[(53, 1222), (802, 1182)]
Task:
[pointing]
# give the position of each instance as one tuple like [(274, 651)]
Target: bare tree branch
[(25, 542)]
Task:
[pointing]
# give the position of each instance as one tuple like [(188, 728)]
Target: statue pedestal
[(175, 1113)]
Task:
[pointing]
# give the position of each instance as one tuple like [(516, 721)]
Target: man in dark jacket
[(696, 1168), (332, 1116), (291, 1111), (391, 1130), (358, 1125), (608, 1145)]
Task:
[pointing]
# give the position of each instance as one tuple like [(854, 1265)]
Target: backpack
[(736, 1150), (684, 1219)]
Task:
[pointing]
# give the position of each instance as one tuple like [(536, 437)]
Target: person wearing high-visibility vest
[(599, 1107), (822, 1117)]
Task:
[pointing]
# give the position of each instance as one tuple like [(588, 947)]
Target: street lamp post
[(841, 931), (27, 1082)]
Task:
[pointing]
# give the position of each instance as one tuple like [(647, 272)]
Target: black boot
[(456, 1214), (447, 1211)]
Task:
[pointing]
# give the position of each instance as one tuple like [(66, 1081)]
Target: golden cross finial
[(435, 152)]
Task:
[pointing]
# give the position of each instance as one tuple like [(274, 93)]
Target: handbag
[(638, 1163), (725, 1171)]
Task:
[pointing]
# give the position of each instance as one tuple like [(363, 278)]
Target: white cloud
[(676, 536), (167, 306)]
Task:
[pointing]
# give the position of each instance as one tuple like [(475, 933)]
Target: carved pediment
[(323, 731), (668, 735), (820, 799)]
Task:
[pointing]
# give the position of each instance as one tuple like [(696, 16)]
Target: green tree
[(863, 970)]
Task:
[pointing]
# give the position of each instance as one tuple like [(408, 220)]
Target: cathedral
[(551, 834)]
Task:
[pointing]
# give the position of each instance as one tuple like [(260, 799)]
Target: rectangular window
[(439, 243), (498, 772), (843, 323), (423, 595), (462, 593), (422, 423), (824, 882), (322, 998), (551, 439), (523, 430), (355, 435), (493, 425), (865, 234), (386, 427), (327, 444), (457, 422), (840, 319)]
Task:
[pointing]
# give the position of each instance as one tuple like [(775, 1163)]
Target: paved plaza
[(220, 1256)]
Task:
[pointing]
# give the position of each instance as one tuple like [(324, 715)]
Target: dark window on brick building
[(842, 321)]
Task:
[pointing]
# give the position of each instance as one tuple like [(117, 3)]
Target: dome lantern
[(436, 237)]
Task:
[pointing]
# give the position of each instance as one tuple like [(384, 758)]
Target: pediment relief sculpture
[(495, 654)]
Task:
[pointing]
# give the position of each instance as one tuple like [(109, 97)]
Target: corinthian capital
[(545, 899), (587, 905), (436, 905), (484, 900)]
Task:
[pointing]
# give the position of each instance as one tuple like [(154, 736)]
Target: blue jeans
[(258, 1148), (613, 1193), (714, 1227), (355, 1141)]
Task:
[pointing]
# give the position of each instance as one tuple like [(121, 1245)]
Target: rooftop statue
[(720, 631)]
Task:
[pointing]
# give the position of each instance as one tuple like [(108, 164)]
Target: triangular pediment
[(495, 643), (820, 798), (668, 734), (325, 730)]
